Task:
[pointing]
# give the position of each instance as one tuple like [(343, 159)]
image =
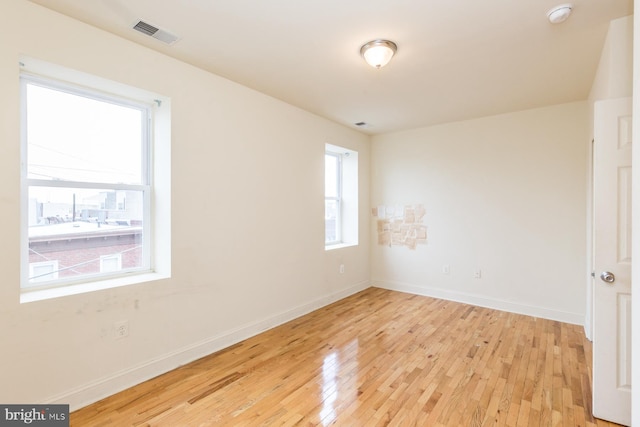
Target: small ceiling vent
[(155, 32)]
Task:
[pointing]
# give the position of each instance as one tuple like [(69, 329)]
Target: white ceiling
[(456, 60)]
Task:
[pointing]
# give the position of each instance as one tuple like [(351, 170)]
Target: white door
[(612, 261)]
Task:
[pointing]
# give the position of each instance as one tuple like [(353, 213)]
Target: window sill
[(339, 246), (44, 294)]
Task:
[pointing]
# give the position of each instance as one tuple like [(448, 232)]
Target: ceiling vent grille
[(155, 32)]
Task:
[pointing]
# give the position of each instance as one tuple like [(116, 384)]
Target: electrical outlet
[(121, 329), (477, 273), (445, 269), (341, 268)]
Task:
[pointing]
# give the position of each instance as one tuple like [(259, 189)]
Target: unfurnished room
[(287, 213)]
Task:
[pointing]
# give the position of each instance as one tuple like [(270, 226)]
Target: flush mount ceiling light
[(378, 53), (559, 13)]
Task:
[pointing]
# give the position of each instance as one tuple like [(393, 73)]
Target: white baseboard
[(104, 387), (496, 304)]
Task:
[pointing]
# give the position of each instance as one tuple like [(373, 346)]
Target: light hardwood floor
[(376, 358)]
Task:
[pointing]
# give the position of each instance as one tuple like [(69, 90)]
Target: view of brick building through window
[(104, 235)]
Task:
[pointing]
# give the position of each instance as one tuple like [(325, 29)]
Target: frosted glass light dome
[(378, 53)]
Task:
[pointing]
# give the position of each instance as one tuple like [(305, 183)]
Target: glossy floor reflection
[(330, 390), (376, 358)]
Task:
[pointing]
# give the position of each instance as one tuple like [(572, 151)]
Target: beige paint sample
[(401, 226)]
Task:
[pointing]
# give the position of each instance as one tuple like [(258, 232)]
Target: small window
[(110, 263), (43, 271), (341, 197)]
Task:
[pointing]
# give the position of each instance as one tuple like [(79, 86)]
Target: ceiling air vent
[(155, 32)]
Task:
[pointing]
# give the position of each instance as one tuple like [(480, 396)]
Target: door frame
[(635, 236), (589, 279)]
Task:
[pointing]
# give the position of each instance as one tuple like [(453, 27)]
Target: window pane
[(110, 263), (43, 271), (330, 175), (78, 227), (331, 221), (74, 138)]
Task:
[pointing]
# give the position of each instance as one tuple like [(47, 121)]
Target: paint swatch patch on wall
[(401, 225)]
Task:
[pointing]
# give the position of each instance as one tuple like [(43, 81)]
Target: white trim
[(635, 265), (37, 68), (89, 185), (331, 247), (126, 279), (107, 386), (496, 304)]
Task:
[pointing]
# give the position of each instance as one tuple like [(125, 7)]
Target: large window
[(340, 197), (87, 184)]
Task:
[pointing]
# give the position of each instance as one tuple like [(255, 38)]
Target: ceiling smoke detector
[(559, 13)]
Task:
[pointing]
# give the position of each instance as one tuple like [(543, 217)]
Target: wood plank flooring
[(376, 358)]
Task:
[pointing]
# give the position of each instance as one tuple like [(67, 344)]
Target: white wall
[(248, 241), (635, 283), (614, 75), (505, 194)]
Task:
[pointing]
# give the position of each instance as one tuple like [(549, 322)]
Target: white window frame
[(145, 186), (156, 188), (348, 198)]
